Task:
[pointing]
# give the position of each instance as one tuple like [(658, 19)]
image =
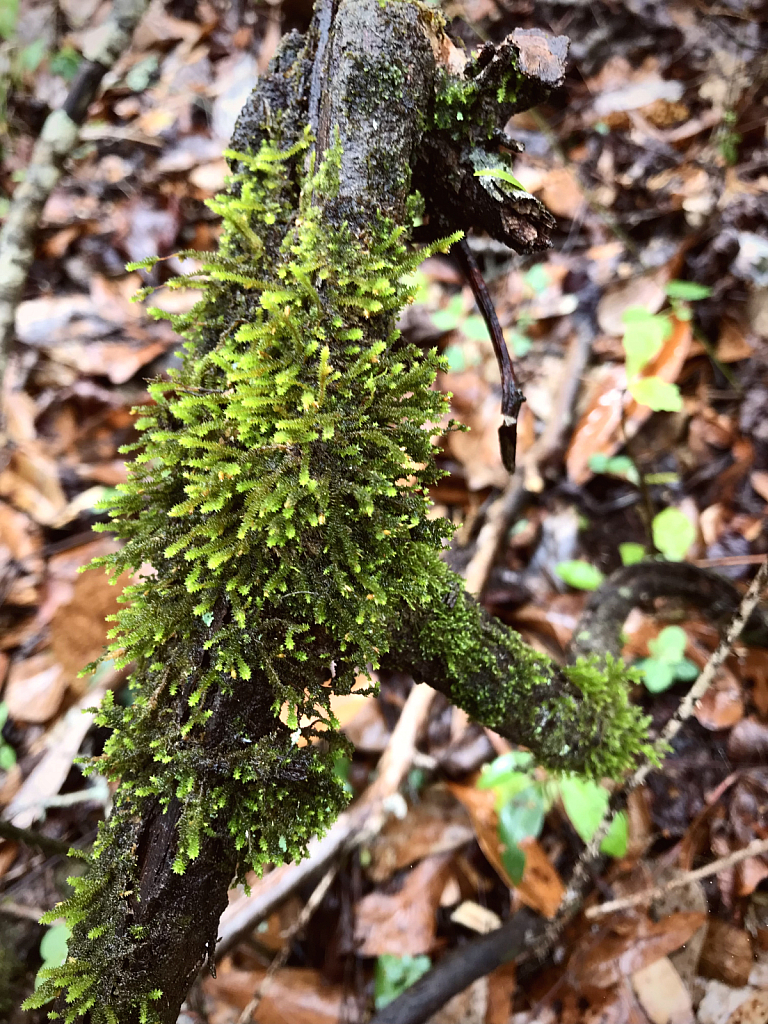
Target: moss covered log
[(276, 511)]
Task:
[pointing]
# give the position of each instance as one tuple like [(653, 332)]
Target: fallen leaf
[(727, 953), (30, 481), (561, 193), (436, 824), (403, 922), (599, 431), (614, 956), (541, 887), (295, 995), (662, 994), (646, 290), (35, 688), (748, 741)]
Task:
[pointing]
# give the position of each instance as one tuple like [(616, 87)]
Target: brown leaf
[(296, 995), (436, 824), (646, 290), (30, 481), (35, 688), (599, 429), (662, 994), (748, 740), (541, 887), (614, 956), (403, 922), (727, 953)]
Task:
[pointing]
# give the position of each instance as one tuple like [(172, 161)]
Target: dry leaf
[(403, 922), (614, 956), (727, 953), (35, 688), (295, 995), (662, 994), (599, 431), (541, 887), (438, 823)]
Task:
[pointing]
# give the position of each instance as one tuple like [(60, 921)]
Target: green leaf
[(448, 319), (519, 343), (619, 465), (475, 329), (513, 859), (644, 334), (394, 974), (615, 842), (537, 278), (579, 574), (31, 56), (522, 816), (503, 175), (669, 645), (686, 670), (585, 803), (657, 675), (9, 13), (7, 756), (65, 62), (659, 394), (3, 713), (499, 770), (631, 553), (687, 291), (673, 534), (53, 945)]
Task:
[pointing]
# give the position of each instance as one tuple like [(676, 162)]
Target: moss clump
[(280, 471)]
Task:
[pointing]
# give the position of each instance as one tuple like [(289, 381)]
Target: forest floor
[(641, 340)]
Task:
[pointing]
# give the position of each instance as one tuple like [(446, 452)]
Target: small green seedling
[(667, 663), (53, 948), (673, 533), (7, 753), (503, 175), (523, 800), (579, 574), (644, 335), (617, 465), (394, 974)]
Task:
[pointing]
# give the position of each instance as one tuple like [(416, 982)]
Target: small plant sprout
[(667, 663), (524, 796)]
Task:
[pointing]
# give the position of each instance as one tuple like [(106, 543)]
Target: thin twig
[(512, 396), (280, 960), (31, 837), (56, 141), (755, 849), (528, 480)]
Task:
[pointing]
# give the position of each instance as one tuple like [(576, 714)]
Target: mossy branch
[(279, 495)]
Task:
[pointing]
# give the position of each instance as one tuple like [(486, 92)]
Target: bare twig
[(754, 849), (281, 959), (57, 138), (528, 480), (30, 837), (512, 396)]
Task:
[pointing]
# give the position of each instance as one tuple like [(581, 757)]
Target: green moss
[(279, 495)]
